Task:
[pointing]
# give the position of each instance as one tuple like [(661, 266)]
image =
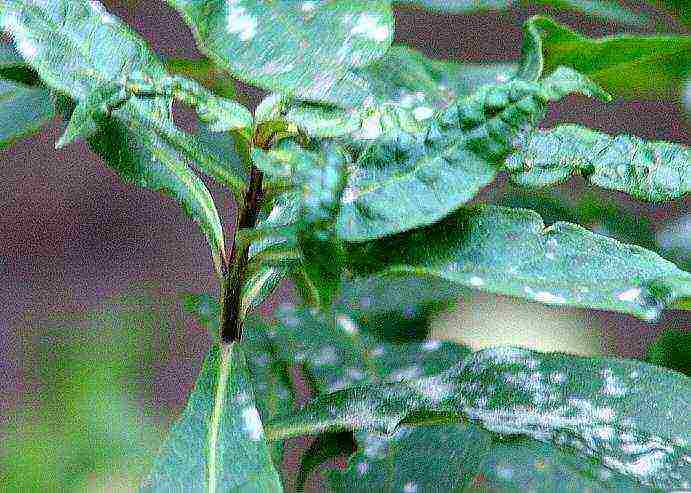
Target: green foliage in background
[(357, 178)]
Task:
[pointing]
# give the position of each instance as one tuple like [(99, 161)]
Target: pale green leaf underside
[(589, 407), (303, 49), (510, 252), (625, 65), (419, 167), (23, 111), (218, 443), (653, 171), (596, 8), (76, 46)]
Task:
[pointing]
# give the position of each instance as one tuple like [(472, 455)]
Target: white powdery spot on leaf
[(476, 281), (630, 295), (362, 468), (410, 487), (252, 423), (308, 6), (545, 296), (371, 26), (432, 345), (613, 386), (371, 128), (241, 22), (327, 356), (423, 113), (347, 324)]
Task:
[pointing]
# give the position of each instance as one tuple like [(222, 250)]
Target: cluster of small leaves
[(369, 156)]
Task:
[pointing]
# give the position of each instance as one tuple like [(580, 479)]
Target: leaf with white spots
[(594, 409), (630, 66), (218, 443), (307, 49), (510, 252), (412, 172), (77, 48), (603, 9), (653, 171)]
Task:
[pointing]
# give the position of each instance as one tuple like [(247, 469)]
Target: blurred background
[(96, 354)]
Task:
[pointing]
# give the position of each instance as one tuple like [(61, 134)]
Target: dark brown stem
[(234, 278)]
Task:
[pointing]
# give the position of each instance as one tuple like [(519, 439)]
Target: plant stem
[(234, 278)]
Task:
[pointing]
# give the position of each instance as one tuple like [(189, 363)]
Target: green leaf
[(23, 111), (671, 350), (77, 48), (594, 408), (269, 374), (308, 50), (402, 77), (625, 65), (653, 171), (442, 456), (218, 443), (413, 173), (595, 8), (510, 252)]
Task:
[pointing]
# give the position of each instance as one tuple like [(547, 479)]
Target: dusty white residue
[(435, 388), (327, 356), (604, 432), (502, 78), (410, 487), (630, 295), (103, 14), (347, 324), (371, 128), (544, 296), (432, 345), (350, 195), (612, 386), (252, 423), (240, 22), (407, 101), (308, 6), (26, 48), (407, 373), (423, 113), (371, 26), (362, 468), (557, 378), (355, 374), (504, 472), (375, 445), (377, 351), (476, 281)]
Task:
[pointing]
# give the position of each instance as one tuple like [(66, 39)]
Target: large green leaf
[(603, 9), (305, 49), (594, 408), (218, 443), (416, 168), (76, 47), (269, 374), (23, 108), (338, 352), (23, 111), (653, 171), (624, 65), (509, 251)]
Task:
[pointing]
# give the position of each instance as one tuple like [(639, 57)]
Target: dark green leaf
[(671, 350), (23, 111), (509, 251), (303, 49), (653, 171), (603, 9), (413, 172), (625, 65), (595, 408), (77, 47), (218, 443)]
